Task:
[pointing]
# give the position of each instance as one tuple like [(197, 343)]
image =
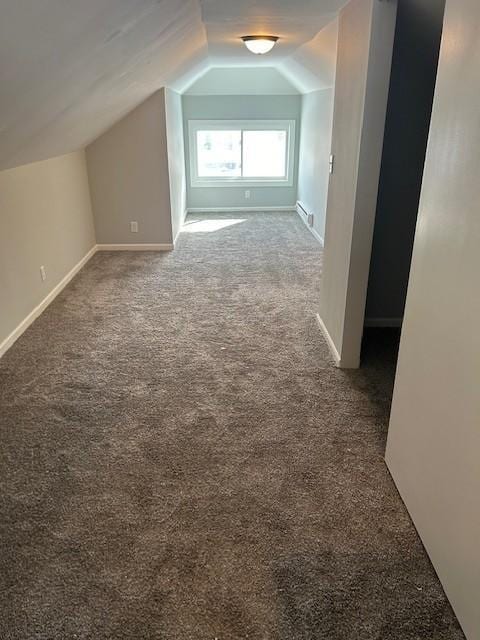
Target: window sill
[(240, 183)]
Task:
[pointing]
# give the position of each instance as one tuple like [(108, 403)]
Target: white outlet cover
[(134, 227)]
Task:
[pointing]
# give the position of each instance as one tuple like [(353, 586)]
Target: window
[(233, 152)]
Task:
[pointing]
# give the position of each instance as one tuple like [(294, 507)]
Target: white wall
[(365, 43), (318, 57), (315, 143), (45, 219), (129, 177), (433, 447), (176, 158)]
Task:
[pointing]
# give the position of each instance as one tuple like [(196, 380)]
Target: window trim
[(242, 125)]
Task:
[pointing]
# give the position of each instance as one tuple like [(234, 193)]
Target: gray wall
[(176, 158), (365, 43), (129, 177), (241, 108), (433, 446), (315, 143), (45, 219), (412, 84)]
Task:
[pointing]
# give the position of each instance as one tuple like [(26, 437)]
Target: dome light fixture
[(260, 44)]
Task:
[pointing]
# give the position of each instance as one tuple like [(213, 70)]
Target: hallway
[(181, 460)]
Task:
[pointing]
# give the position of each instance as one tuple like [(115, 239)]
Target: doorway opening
[(412, 84)]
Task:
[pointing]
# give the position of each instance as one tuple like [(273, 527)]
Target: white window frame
[(242, 125)]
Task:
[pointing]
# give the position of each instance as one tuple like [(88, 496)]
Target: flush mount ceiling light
[(260, 44)]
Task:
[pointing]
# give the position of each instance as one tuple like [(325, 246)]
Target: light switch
[(331, 162)]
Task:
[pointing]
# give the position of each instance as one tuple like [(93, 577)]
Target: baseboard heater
[(307, 216)]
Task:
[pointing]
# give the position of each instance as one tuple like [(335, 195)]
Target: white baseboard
[(33, 315), (387, 323), (316, 235), (329, 341), (135, 247), (303, 213), (185, 213), (237, 209)]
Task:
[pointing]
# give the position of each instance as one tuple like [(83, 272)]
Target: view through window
[(219, 153), (255, 151)]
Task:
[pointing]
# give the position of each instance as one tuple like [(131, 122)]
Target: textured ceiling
[(69, 69)]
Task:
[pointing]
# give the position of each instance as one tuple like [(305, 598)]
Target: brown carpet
[(180, 459)]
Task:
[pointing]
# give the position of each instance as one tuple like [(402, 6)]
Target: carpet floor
[(181, 460)]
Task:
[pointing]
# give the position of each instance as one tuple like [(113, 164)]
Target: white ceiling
[(312, 66), (295, 22), (242, 81), (69, 69)]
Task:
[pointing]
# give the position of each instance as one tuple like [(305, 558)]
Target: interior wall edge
[(340, 363), (364, 52), (433, 440), (128, 172), (179, 231), (175, 160), (407, 494), (376, 88)]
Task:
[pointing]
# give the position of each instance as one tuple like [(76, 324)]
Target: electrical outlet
[(247, 194), (134, 227), (43, 273)]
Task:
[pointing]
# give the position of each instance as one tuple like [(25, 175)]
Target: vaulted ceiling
[(295, 21), (69, 69), (243, 81)]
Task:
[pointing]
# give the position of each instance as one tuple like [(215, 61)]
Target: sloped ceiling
[(242, 81), (294, 21), (69, 69), (312, 66)]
